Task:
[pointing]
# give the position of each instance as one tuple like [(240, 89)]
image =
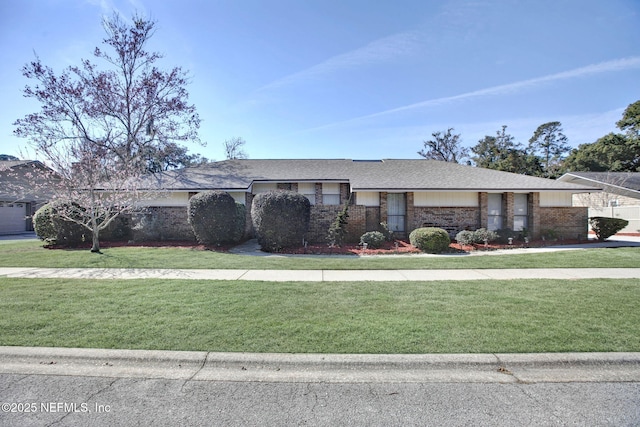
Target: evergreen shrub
[(215, 218), (373, 239), (430, 239), (605, 227), (280, 219)]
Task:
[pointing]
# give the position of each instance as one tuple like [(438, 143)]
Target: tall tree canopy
[(551, 145), (614, 152), (131, 109), (630, 121), (501, 152), (100, 129), (445, 147)]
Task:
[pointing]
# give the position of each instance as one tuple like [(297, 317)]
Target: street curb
[(336, 368)]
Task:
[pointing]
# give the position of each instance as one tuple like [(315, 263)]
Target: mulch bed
[(389, 248)]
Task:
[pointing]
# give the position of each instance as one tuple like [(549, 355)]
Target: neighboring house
[(406, 194), (19, 196), (620, 197)]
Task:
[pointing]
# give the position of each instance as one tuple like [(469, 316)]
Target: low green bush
[(373, 239), (215, 218), (483, 235), (430, 239), (280, 219), (605, 227), (466, 237)]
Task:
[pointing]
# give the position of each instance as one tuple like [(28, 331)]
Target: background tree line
[(547, 153)]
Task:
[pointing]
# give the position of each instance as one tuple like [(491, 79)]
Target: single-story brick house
[(19, 196), (406, 194)]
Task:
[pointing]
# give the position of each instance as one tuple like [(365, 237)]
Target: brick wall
[(564, 222), (323, 215), (451, 219)]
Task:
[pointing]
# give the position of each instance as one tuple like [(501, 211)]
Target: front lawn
[(32, 254), (240, 316)]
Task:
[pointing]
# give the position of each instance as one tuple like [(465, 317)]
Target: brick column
[(410, 220), (507, 204), (318, 193), (344, 193), (383, 207), (534, 215), (483, 201)]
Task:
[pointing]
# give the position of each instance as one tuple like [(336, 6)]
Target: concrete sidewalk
[(321, 275), (316, 368)]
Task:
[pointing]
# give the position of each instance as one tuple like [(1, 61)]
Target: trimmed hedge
[(373, 239), (430, 239), (215, 218), (605, 227), (280, 219), (43, 223), (53, 229)]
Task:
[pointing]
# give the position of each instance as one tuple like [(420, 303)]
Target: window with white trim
[(308, 190), (520, 211), (330, 193), (494, 203)]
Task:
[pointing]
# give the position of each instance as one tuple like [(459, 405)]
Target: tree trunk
[(95, 247), (95, 233)]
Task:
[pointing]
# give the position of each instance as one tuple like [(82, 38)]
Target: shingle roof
[(18, 180), (623, 183), (374, 175)]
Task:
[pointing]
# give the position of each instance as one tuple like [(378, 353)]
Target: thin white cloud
[(603, 67), (378, 51)]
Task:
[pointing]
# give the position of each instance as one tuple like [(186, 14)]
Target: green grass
[(417, 317), (32, 254)]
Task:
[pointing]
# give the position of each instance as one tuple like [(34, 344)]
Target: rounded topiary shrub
[(373, 239), (53, 229), (430, 239), (280, 219), (605, 227), (214, 218), (43, 223)]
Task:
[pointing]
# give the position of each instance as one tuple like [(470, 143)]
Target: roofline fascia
[(604, 184), (480, 190)]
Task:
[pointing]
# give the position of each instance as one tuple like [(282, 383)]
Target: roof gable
[(623, 183)]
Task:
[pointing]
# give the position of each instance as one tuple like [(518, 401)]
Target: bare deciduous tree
[(233, 148), (100, 130), (445, 147)]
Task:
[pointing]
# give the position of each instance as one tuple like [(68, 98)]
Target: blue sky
[(353, 78)]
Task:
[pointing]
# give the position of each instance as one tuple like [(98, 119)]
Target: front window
[(330, 193), (495, 211), (520, 211), (396, 211), (308, 190)]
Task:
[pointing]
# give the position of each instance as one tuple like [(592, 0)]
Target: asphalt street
[(95, 387), (80, 387), (103, 401)]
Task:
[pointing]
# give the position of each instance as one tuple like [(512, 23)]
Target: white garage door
[(12, 217)]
